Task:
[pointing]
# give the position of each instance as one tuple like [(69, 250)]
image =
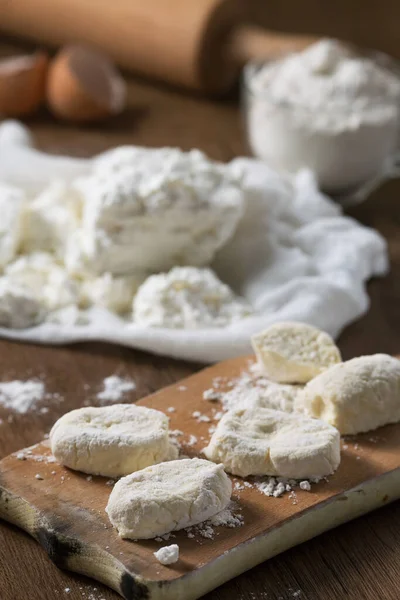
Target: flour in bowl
[(327, 108)]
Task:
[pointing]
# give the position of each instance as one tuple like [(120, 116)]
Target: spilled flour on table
[(24, 396), (114, 389)]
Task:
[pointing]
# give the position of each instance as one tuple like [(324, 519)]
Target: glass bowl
[(348, 157)]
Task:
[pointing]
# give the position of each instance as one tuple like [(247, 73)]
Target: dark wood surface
[(360, 560)]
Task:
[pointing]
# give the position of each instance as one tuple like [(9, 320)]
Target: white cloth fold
[(294, 257)]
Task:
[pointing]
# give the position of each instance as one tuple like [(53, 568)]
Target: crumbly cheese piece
[(161, 208), (18, 308), (261, 441), (358, 395), (294, 352), (44, 279), (111, 440), (114, 293), (12, 201), (168, 497), (49, 219), (187, 297), (168, 554)]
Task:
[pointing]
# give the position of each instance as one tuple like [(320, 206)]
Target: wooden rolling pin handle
[(199, 44), (250, 42)]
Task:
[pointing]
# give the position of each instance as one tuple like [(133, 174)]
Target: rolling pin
[(198, 44)]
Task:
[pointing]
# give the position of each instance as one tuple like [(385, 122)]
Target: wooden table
[(360, 560)]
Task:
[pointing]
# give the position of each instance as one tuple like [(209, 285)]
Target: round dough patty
[(294, 352), (262, 441), (355, 396), (168, 497), (111, 440)]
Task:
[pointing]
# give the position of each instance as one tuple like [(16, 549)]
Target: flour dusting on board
[(229, 517), (252, 389)]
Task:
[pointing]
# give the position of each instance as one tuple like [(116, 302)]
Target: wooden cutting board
[(64, 510)]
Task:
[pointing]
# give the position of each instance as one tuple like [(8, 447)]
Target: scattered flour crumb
[(252, 389), (226, 518), (278, 486), (39, 477), (168, 554), (211, 395), (305, 485), (175, 433), (229, 517), (21, 456), (171, 409), (114, 388), (182, 388), (204, 419), (192, 440), (200, 418)]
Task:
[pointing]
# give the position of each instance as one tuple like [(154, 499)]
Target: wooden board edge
[(92, 561), (69, 553), (336, 511)]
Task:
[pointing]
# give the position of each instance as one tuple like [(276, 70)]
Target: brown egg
[(22, 84), (84, 85)]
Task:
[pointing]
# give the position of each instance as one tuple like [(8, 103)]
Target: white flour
[(252, 389), (21, 396), (115, 388), (328, 109), (229, 517)]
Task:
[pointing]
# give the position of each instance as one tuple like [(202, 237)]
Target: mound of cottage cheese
[(147, 210), (137, 214)]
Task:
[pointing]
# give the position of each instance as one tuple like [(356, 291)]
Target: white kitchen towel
[(294, 257)]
